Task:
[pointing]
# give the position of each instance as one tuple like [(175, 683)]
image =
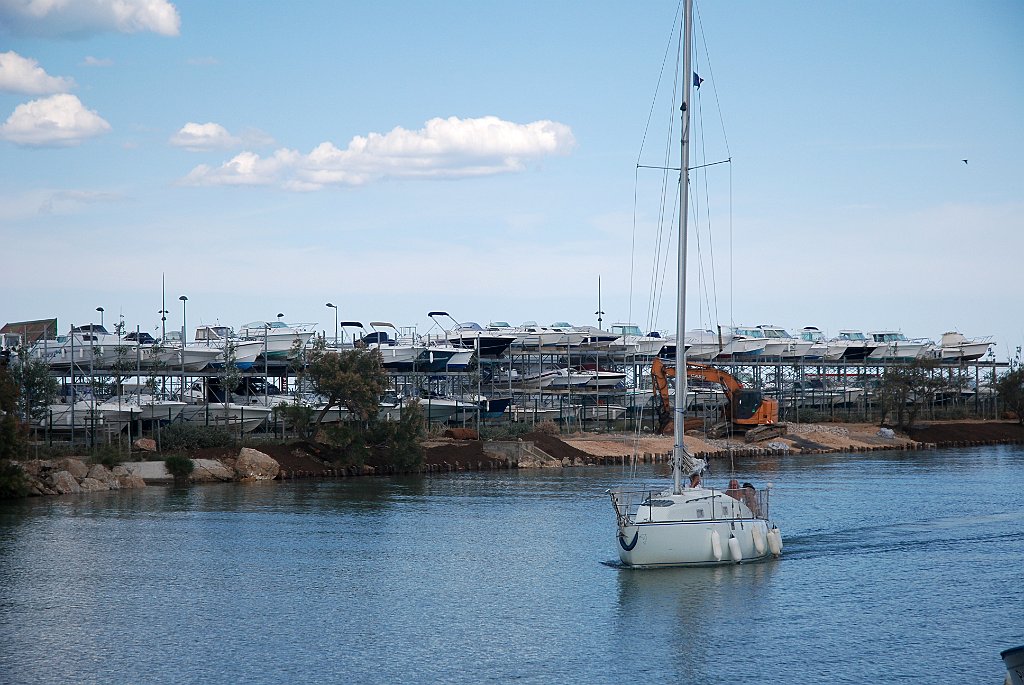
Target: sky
[(396, 158)]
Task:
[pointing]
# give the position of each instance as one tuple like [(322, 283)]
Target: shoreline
[(306, 460)]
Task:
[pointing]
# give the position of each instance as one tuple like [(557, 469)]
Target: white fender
[(775, 541), (716, 545), (758, 535), (734, 549)]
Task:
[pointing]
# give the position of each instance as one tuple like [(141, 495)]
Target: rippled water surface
[(898, 567)]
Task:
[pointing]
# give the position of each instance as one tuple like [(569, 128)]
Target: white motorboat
[(702, 344), (894, 346), (954, 347), (858, 346), (110, 415), (782, 345), (570, 379), (524, 380), (821, 394), (230, 416), (439, 409), (821, 347), (631, 343), (596, 339), (280, 341), (572, 336), (690, 525), (85, 347), (472, 336), (778, 343), (602, 412), (536, 412), (741, 343), (396, 353), (532, 336), (242, 352)]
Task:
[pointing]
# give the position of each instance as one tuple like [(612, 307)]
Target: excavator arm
[(744, 407)]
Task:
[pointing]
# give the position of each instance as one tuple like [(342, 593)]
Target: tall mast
[(680, 458)]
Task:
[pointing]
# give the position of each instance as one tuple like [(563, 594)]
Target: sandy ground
[(799, 438)]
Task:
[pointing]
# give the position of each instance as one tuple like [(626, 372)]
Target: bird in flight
[(964, 161)]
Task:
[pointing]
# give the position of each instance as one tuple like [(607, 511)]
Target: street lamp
[(335, 308), (184, 328), (100, 310), (183, 340)]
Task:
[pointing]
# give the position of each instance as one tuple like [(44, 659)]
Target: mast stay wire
[(643, 142)]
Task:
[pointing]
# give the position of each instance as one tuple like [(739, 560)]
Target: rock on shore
[(70, 475)]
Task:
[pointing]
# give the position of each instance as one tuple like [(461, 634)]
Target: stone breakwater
[(73, 476)]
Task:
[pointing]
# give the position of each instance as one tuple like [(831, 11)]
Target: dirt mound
[(968, 431), (554, 446)]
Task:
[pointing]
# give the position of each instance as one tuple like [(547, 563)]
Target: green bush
[(12, 480), (185, 436), (510, 431), (108, 455), (179, 466)]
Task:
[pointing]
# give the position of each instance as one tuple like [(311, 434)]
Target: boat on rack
[(280, 340), (821, 347), (472, 336), (954, 347), (396, 354), (858, 346), (632, 345), (690, 524), (894, 346), (782, 345), (741, 343), (242, 352)]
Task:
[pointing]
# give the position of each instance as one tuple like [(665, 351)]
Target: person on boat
[(750, 498), (734, 490), (695, 480)]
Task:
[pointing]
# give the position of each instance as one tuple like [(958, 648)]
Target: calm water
[(898, 567)]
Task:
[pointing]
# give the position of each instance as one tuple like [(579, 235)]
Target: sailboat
[(689, 524)]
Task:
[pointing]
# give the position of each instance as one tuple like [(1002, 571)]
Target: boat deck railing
[(724, 505)]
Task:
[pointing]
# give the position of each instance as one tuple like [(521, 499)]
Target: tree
[(905, 389), (1011, 392), (9, 438), (351, 379), (37, 389), (12, 478)]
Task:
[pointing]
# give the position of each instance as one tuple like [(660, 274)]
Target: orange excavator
[(746, 410)]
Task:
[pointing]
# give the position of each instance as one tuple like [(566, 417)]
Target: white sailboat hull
[(690, 543), (696, 527)]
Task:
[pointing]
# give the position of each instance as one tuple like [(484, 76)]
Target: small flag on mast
[(697, 80)]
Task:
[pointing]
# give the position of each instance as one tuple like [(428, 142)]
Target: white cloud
[(203, 137), (85, 17), (91, 61), (59, 120), (24, 75), (442, 149), (245, 169)]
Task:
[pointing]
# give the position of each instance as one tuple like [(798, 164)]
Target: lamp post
[(184, 327), (335, 308), (100, 310), (184, 339)]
